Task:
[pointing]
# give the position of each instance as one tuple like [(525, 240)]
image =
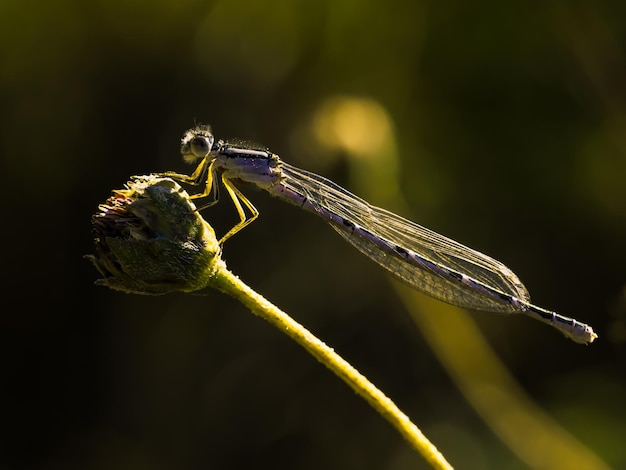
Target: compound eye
[(200, 146)]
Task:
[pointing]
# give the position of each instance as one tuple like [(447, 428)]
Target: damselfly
[(426, 261)]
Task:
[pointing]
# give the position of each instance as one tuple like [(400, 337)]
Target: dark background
[(509, 123)]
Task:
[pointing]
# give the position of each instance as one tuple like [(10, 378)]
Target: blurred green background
[(503, 125)]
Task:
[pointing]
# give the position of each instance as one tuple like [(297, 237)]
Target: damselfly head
[(197, 143)]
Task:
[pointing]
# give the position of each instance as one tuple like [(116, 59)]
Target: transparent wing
[(430, 247)]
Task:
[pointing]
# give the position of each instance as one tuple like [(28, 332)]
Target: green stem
[(230, 284)]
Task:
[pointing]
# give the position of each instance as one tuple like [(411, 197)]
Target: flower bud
[(150, 239)]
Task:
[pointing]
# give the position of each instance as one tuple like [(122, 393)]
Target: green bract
[(150, 239)]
